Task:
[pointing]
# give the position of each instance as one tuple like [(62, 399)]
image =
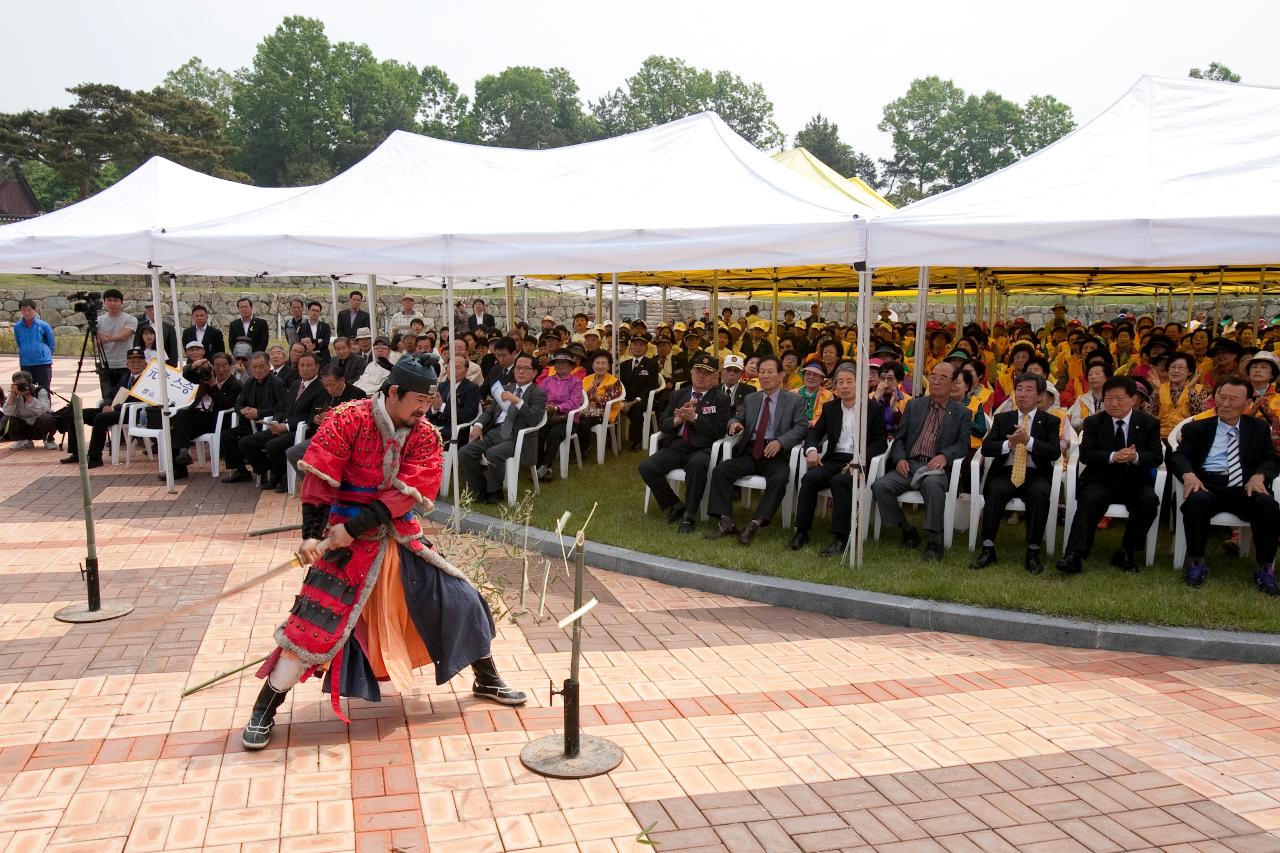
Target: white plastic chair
[(607, 430), (1222, 519), (213, 442), (513, 464), (756, 482), (676, 476), (451, 458), (979, 471), (290, 473), (571, 439), (1119, 511), (134, 417), (874, 471), (650, 417), (948, 509)]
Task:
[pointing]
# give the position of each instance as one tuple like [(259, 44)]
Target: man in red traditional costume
[(377, 600)]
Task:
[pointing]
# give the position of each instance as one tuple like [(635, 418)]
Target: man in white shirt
[(401, 319), (115, 338)]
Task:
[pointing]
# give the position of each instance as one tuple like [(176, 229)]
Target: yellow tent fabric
[(800, 161)]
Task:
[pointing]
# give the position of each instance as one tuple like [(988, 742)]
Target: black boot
[(258, 733), (489, 685)]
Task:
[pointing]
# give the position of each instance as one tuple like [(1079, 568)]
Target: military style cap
[(706, 361), (135, 352)]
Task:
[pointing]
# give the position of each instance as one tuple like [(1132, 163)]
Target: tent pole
[(979, 291), (373, 305), (714, 330), (959, 301), (173, 297), (526, 302), (862, 378), (1257, 310), (511, 303), (1191, 300), (1217, 305), (613, 313), (599, 300), (775, 322), (922, 305), (664, 303), (166, 457), (446, 319), (453, 386), (333, 301)]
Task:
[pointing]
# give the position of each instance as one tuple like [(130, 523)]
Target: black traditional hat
[(414, 373)]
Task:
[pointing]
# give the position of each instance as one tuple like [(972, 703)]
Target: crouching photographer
[(25, 417)]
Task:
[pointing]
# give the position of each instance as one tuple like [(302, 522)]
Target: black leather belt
[(919, 458)]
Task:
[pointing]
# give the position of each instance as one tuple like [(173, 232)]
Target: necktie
[(1019, 475), (302, 386), (1235, 476), (1119, 435), (762, 427), (684, 433)]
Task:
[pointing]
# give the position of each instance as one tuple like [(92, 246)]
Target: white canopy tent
[(691, 194), (1176, 172)]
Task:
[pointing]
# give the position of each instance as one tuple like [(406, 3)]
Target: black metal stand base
[(82, 613), (546, 757)]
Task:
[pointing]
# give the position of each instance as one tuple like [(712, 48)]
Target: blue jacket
[(35, 343)]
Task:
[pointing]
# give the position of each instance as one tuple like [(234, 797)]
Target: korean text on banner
[(181, 392)]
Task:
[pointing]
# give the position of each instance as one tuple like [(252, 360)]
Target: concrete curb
[(916, 613)]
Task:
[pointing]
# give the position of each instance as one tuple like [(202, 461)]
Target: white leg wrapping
[(286, 673)]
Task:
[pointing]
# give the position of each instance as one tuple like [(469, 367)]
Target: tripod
[(100, 367)]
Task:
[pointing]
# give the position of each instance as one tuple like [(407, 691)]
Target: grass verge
[(1154, 596)]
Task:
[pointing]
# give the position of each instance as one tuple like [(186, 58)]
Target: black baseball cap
[(706, 361)]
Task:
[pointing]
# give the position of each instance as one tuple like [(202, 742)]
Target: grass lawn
[(1154, 596)]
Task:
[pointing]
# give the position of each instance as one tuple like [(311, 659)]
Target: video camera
[(89, 304)]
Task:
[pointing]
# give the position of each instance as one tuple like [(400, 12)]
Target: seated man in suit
[(1024, 445), (521, 404), (217, 389), (640, 374), (261, 395), (468, 401), (695, 418), (264, 449), (1120, 448), (837, 424), (104, 418), (934, 433), (1226, 464), (772, 422)]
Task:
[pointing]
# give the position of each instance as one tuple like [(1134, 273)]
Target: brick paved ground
[(746, 727)]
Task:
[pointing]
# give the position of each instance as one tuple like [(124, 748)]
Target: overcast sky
[(843, 59)]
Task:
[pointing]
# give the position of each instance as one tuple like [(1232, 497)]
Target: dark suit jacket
[(291, 330), (1257, 452), (223, 398), (639, 376), (1098, 443), (787, 418), (468, 406), (739, 393), (352, 367), (322, 337), (296, 409), (348, 329), (532, 409), (749, 347), (489, 322), (953, 433), (286, 374), (831, 421), (213, 340), (257, 333), (714, 412), (267, 396), (679, 368), (498, 373), (1045, 449)]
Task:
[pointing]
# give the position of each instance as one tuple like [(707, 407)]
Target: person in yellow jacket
[(1262, 370), (1181, 397)]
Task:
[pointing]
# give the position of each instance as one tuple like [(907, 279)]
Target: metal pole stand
[(574, 756), (95, 612)]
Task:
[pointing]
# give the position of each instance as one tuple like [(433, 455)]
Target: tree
[(666, 89), (442, 111), (821, 138), (987, 133), (210, 86), (1045, 120), (374, 99), (1215, 71), (525, 107), (921, 125)]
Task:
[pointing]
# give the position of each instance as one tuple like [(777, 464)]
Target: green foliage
[(441, 110), (943, 139), (210, 86), (1215, 71), (524, 107), (48, 186), (666, 89), (821, 138)]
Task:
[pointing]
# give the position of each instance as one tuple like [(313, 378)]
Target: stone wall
[(271, 301)]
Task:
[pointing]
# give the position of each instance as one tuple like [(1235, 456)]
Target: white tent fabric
[(691, 194), (585, 287), (1178, 171), (112, 232)]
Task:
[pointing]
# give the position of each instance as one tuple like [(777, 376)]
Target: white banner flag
[(181, 392)]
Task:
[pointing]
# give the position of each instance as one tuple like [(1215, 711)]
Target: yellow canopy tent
[(800, 161)]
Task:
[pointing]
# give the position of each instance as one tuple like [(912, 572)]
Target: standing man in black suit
[(171, 350), (520, 405), (934, 433), (1119, 449), (771, 424), (639, 375), (695, 418), (249, 326), (1226, 465), (480, 319), (837, 424), (202, 332), (354, 318), (1024, 445), (317, 331)]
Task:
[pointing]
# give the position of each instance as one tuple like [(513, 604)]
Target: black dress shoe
[(1032, 561), (491, 499), (798, 540), (726, 528), (836, 548), (183, 457), (933, 553), (675, 514), (986, 557), (686, 525), (94, 463), (268, 482), (1123, 560), (282, 486), (1070, 564), (237, 476), (69, 459), (179, 473), (748, 533), (910, 539)]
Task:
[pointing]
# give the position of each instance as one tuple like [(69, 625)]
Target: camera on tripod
[(89, 304)]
